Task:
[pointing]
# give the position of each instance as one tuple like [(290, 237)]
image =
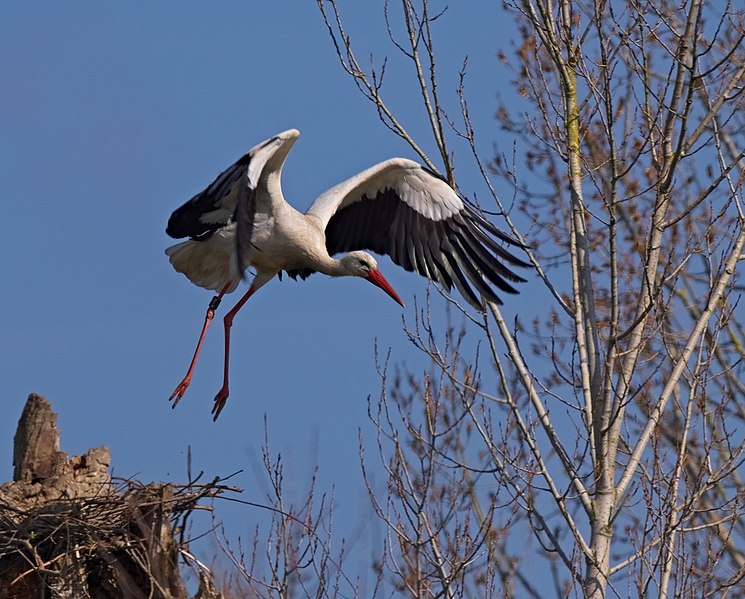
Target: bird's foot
[(179, 391), (220, 399)]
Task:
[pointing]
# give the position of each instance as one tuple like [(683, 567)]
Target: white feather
[(429, 196), (207, 263)]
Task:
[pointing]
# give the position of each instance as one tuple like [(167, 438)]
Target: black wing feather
[(245, 214), (493, 270), (221, 194), (303, 273)]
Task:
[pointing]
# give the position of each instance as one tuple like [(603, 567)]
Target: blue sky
[(112, 115)]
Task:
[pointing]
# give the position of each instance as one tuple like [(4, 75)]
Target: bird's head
[(362, 264)]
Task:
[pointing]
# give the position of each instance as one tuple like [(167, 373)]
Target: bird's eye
[(363, 264)]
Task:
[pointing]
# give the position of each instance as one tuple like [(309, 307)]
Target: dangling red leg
[(178, 393), (222, 394)]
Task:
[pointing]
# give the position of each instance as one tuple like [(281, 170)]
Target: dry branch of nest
[(67, 530)]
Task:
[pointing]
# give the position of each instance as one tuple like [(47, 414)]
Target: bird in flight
[(397, 208)]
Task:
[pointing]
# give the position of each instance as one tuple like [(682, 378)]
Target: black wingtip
[(172, 229)]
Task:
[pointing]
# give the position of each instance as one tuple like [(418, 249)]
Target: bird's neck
[(331, 266)]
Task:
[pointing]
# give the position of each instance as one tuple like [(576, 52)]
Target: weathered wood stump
[(67, 531)]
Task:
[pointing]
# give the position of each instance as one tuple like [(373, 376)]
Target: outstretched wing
[(214, 207), (405, 211)]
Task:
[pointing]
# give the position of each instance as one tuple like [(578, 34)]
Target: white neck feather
[(332, 267)]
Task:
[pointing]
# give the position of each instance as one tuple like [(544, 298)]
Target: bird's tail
[(206, 263)]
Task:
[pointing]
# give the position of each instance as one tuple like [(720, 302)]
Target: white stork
[(397, 207)]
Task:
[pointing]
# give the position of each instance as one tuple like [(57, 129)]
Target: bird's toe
[(178, 392), (220, 399)]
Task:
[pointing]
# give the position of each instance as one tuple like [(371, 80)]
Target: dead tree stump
[(67, 531)]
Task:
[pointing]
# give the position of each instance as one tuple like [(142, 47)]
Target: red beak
[(379, 280)]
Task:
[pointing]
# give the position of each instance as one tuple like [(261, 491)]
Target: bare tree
[(610, 428), (294, 552)]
